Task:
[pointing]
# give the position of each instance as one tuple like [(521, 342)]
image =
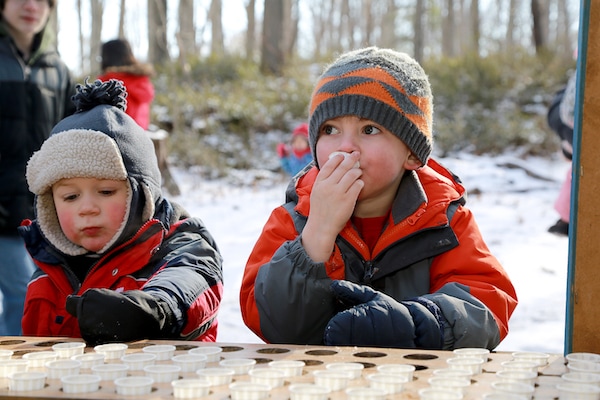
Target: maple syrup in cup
[(577, 391), (289, 367), (365, 393), (406, 370)]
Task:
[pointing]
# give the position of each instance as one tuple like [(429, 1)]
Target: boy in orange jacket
[(374, 246)]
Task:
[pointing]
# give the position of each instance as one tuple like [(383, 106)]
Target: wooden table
[(315, 357)]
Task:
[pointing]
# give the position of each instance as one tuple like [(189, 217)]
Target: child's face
[(383, 157), (25, 18), (299, 143), (90, 211)]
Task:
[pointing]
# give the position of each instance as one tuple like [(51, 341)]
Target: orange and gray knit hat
[(382, 85)]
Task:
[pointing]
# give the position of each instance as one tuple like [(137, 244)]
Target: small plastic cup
[(540, 358), (62, 367), (472, 364), (241, 366), (212, 353), (162, 372), (365, 393), (439, 394), (354, 368), (88, 360), (503, 396), (133, 385), (137, 361), (162, 351), (249, 391), (25, 381), (472, 352), (527, 377), (189, 362), (451, 383), (8, 367), (273, 377), (5, 354), (584, 366), (391, 384), (82, 383), (68, 349), (516, 365), (308, 391), (217, 375), (582, 356), (110, 372), (289, 367), (334, 380), (577, 391), (588, 378), (522, 389), (406, 370), (190, 388), (453, 373), (38, 359), (111, 351)]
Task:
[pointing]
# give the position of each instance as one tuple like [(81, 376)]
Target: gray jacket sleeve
[(466, 318), (299, 302)]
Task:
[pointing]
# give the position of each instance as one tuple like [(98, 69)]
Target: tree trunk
[(186, 36), (158, 52), (449, 30), (251, 29), (82, 56), (540, 14), (96, 36), (272, 57), (215, 15), (419, 42), (122, 20), (475, 30)]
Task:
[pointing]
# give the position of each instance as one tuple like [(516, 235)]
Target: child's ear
[(412, 163)]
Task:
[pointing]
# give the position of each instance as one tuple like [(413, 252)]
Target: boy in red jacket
[(115, 260), (374, 246)]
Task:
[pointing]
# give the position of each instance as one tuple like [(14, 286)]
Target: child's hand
[(376, 319), (282, 150), (332, 203), (105, 315)]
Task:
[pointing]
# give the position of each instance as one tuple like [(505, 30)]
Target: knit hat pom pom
[(111, 93)]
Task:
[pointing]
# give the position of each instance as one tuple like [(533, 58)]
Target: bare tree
[(96, 36), (419, 38), (475, 28), (158, 52), (272, 58), (251, 29), (122, 20), (449, 30), (541, 18), (81, 37), (186, 35), (215, 15)]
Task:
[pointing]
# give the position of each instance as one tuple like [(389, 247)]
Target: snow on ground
[(513, 210)]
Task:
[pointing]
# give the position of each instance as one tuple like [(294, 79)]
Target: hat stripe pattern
[(381, 85)]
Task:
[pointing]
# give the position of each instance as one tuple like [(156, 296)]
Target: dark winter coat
[(34, 96), (176, 261), (431, 247)]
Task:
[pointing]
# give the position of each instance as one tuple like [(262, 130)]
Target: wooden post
[(583, 286)]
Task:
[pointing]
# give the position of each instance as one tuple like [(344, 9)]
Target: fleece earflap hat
[(98, 141), (382, 85)]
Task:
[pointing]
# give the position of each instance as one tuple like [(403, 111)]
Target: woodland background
[(494, 65)]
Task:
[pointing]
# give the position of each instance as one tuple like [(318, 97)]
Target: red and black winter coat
[(430, 247), (171, 247)]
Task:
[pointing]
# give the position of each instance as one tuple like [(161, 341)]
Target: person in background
[(374, 245), (118, 62), (116, 261), (35, 93), (296, 155), (562, 121)]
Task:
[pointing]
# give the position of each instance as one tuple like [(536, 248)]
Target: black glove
[(106, 316), (376, 319)]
